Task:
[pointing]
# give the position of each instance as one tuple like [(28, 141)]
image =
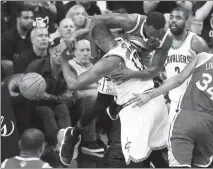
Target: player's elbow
[(97, 19)]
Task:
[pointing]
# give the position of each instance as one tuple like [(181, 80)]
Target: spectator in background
[(165, 6), (31, 147), (45, 9), (86, 98), (202, 21), (129, 6), (16, 40), (39, 38), (52, 108), (91, 8), (79, 16), (65, 30), (10, 11)]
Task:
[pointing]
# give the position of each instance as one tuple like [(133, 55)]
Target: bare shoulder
[(203, 57), (199, 45), (168, 41)]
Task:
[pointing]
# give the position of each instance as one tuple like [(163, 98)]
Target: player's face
[(79, 18), (177, 22), (41, 39), (66, 28), (152, 33), (83, 51), (26, 20)]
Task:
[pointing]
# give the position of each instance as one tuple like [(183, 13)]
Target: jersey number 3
[(203, 84)]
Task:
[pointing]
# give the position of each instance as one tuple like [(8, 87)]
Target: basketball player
[(150, 129), (179, 54), (147, 35), (191, 136), (31, 147)]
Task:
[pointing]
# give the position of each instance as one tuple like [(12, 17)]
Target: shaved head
[(32, 140)]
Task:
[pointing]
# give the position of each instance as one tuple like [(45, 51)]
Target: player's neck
[(40, 52), (182, 36)]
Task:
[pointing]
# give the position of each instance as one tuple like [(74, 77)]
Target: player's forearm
[(81, 32), (146, 74), (115, 20), (203, 12), (170, 84), (150, 6), (176, 80), (69, 76)]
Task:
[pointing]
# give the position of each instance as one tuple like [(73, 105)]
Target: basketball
[(32, 86)]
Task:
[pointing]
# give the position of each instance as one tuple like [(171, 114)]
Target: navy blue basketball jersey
[(199, 93)]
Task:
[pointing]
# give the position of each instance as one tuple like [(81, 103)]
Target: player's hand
[(67, 98), (139, 99), (192, 53), (122, 75), (46, 96), (58, 50)]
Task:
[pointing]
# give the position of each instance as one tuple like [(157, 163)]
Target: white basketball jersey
[(176, 61), (132, 61)]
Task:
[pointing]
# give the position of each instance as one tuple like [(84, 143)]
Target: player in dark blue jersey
[(191, 133)]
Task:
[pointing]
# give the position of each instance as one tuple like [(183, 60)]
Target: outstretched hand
[(139, 99)]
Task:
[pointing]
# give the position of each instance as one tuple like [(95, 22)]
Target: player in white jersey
[(179, 54), (31, 147), (150, 123)]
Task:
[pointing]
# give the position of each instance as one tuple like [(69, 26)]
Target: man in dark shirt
[(52, 108), (91, 7), (39, 39), (16, 40)]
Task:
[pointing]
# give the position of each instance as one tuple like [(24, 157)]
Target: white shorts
[(144, 129), (173, 110)]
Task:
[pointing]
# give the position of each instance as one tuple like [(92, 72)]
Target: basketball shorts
[(173, 110), (191, 139), (144, 129)]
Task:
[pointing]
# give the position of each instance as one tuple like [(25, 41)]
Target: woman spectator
[(79, 16)]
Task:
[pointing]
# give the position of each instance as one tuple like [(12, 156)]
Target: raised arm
[(115, 20), (102, 68), (203, 12), (157, 62)]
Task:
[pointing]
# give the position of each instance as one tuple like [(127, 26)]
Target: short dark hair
[(23, 8), (100, 31), (185, 11), (32, 139), (156, 19)]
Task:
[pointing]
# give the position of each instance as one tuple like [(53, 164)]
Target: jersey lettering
[(204, 84)]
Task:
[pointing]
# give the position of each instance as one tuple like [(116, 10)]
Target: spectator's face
[(83, 51), (177, 22), (41, 38), (79, 18), (26, 20), (66, 28)]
